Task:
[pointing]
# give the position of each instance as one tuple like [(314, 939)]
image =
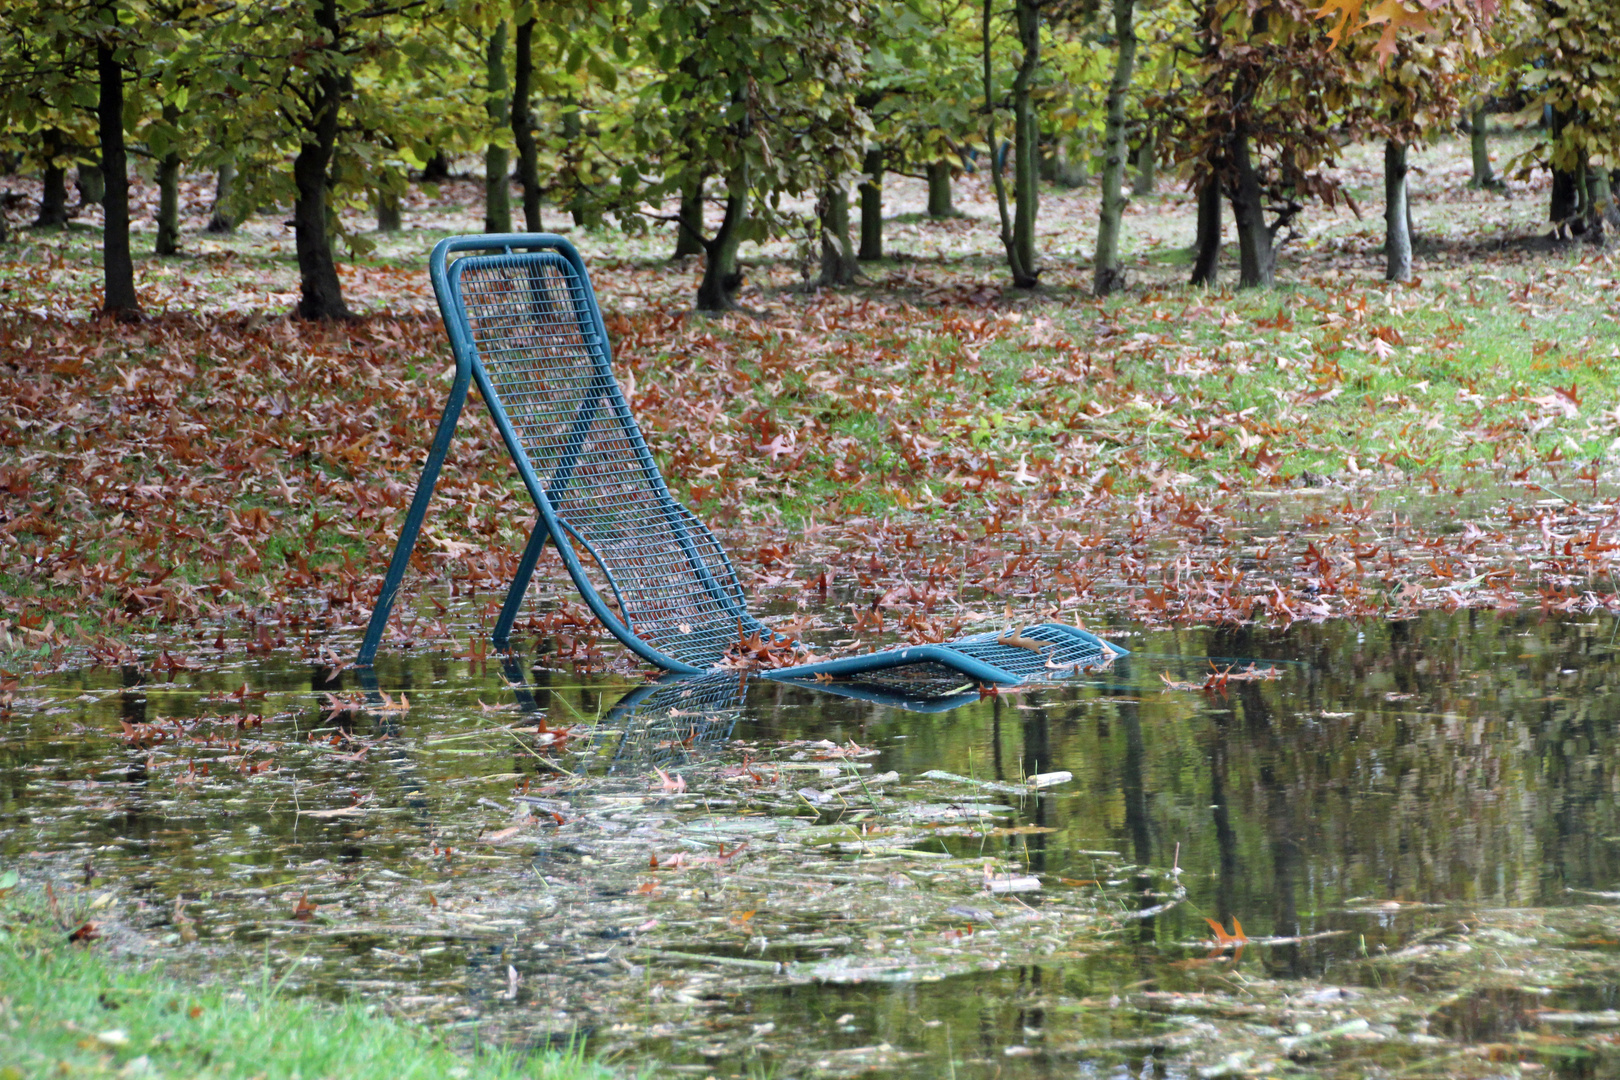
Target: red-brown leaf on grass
[(303, 911)]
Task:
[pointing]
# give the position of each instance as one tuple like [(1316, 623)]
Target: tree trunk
[(436, 170), (221, 220), (1397, 220), (872, 207), (1022, 272), (497, 164), (92, 184), (53, 211), (1565, 198), (320, 291), (523, 127), (1561, 208), (939, 190), (1147, 166), (689, 222), (1257, 257), (118, 268), (1483, 177), (571, 131), (1207, 260), (838, 265), (1107, 275), (1026, 137), (168, 177), (1602, 214), (718, 289), (389, 218)]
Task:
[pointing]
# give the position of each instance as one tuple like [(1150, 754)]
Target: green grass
[(70, 1010)]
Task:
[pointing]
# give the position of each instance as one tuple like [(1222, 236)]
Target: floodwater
[(1411, 826)]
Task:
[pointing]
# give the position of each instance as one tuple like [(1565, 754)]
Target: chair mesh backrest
[(532, 321)]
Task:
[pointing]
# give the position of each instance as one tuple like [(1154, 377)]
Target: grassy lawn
[(72, 1009)]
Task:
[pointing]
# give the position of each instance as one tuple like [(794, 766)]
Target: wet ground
[(1405, 830)]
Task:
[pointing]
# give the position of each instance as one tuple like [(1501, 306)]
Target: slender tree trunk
[(1257, 257), (1026, 136), (939, 190), (118, 268), (1207, 259), (168, 219), (1565, 198), (838, 266), (523, 126), (389, 218), (1147, 166), (721, 280), (497, 164), (571, 130), (1397, 219), (1022, 273), (53, 211), (92, 183), (1602, 214), (1107, 275), (320, 291), (872, 207), (1483, 177), (689, 222), (220, 219), (436, 170)]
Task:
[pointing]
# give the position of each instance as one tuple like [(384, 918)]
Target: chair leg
[(413, 521), (520, 585)]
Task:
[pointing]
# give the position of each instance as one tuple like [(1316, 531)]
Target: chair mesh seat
[(524, 325)]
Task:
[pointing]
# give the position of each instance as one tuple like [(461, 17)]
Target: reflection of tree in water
[(1450, 758)]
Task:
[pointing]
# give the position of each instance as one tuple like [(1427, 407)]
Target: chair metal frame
[(982, 658)]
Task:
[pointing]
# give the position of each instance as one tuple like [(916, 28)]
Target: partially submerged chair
[(524, 326)]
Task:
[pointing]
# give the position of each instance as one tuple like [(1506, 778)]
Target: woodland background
[(988, 357)]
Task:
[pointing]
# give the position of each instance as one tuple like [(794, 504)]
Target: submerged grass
[(72, 1010)]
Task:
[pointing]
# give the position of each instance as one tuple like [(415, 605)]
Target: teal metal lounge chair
[(524, 326)]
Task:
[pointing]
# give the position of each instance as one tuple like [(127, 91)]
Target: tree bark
[(1107, 275), (1397, 219), (1602, 214), (721, 280), (118, 268), (497, 164), (220, 219), (872, 207), (689, 222), (1483, 177), (1026, 137), (523, 126), (1147, 165), (168, 219), (320, 291), (92, 183), (53, 211), (1561, 207), (838, 266), (1565, 198), (571, 131), (939, 190), (1207, 261), (436, 170), (1022, 272), (389, 218), (1256, 255)]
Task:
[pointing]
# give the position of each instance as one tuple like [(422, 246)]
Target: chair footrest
[(1039, 653)]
